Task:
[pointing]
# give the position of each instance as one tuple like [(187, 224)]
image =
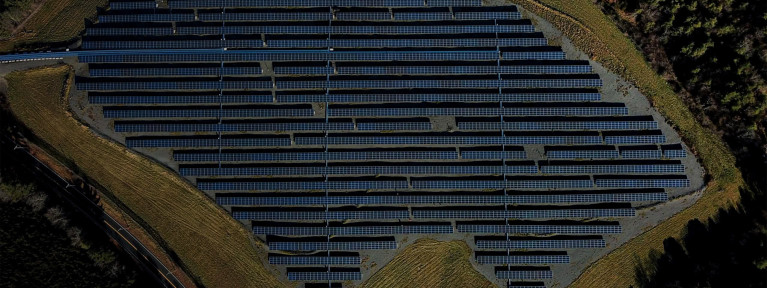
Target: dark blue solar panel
[(299, 185), (539, 229), (523, 274), (506, 97), (313, 260), (177, 99), (523, 259), (585, 197), (333, 246), (523, 214)]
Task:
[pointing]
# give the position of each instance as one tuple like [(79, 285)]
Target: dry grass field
[(594, 33), (430, 263), (57, 21), (212, 246)]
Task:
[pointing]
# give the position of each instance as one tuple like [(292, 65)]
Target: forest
[(43, 236), (714, 54)]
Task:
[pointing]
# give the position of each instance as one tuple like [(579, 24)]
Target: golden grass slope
[(430, 263), (56, 21), (593, 32), (213, 247)]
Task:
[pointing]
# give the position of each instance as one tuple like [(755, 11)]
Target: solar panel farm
[(345, 134)]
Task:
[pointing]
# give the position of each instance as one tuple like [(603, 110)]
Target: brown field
[(594, 33), (213, 247), (56, 22), (430, 263)]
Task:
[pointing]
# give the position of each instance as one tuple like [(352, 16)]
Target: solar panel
[(523, 214), (295, 230), (209, 185), (425, 28), (216, 55), (190, 141), (151, 126), (325, 124), (512, 111), (140, 17), (445, 97), (619, 196), (180, 71), (350, 170), (541, 244), (333, 246), (147, 84), (582, 154), (523, 274), (526, 285), (175, 99), (543, 229), (301, 3), (131, 5), (452, 140), (324, 276), (320, 215), (522, 259), (263, 15), (209, 112), (414, 70), (279, 259)]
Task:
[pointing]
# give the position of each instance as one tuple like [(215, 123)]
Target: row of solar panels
[(454, 183), (434, 198), (355, 274), (517, 81), (309, 14), (148, 4), (388, 168), (409, 54), (431, 153), (564, 227), (240, 41), (424, 213), (481, 258), (336, 96), (583, 116), (367, 124), (378, 243), (344, 68), (311, 27), (401, 138)]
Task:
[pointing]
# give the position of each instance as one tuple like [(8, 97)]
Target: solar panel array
[(333, 127)]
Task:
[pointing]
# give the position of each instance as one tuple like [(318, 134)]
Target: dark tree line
[(45, 243), (714, 53), (728, 251)]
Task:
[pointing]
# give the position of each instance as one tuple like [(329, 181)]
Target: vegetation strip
[(430, 263), (595, 34), (213, 247), (55, 23)]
